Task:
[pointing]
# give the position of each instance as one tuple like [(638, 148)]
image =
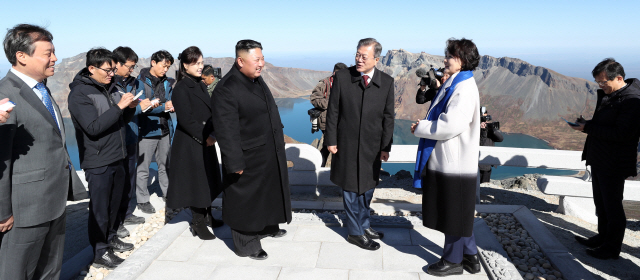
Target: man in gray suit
[(36, 177)]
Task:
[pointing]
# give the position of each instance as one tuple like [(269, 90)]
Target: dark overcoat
[(250, 136), (195, 178), (612, 133), (360, 122)]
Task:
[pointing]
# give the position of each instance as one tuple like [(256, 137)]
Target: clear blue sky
[(566, 36)]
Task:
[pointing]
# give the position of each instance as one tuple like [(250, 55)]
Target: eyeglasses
[(359, 56), (130, 67), (602, 83), (109, 72)]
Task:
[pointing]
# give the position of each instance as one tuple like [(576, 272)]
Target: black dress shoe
[(363, 242), (146, 208), (122, 232), (279, 234), (373, 234), (603, 253), (445, 268), (119, 245), (260, 255), (107, 260), (471, 263), (133, 220), (592, 242)]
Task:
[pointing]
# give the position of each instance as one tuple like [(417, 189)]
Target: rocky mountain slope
[(283, 81), (524, 98)]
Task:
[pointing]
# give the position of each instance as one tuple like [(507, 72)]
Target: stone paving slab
[(244, 272), (377, 275), (321, 233), (176, 270), (340, 256), (297, 273)]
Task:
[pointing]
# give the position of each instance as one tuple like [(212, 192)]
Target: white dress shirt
[(370, 74), (32, 84)]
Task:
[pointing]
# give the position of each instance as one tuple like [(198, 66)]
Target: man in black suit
[(249, 132), (36, 176), (611, 151), (359, 135)]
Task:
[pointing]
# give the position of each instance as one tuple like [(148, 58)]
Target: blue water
[(293, 112)]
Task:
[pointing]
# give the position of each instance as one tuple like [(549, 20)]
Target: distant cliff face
[(283, 81), (524, 98)]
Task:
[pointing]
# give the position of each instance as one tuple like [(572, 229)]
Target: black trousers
[(127, 208), (106, 194), (324, 151), (33, 252), (608, 190), (485, 176), (247, 243)]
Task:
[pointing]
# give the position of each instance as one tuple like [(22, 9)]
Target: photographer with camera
[(489, 134), (432, 79), (210, 77), (320, 100)]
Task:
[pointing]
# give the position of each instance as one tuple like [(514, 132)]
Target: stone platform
[(310, 250)]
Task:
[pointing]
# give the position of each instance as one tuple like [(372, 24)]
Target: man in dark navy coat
[(359, 135), (249, 132)]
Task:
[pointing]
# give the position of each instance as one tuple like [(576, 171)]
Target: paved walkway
[(306, 252)]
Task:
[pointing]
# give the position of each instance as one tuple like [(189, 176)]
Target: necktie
[(47, 101), (366, 80)]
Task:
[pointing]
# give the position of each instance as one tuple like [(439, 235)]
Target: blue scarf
[(426, 145)]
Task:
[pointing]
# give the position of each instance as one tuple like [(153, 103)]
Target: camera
[(487, 118), (217, 72), (429, 77)]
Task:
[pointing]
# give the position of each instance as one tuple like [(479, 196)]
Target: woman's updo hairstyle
[(188, 56), (466, 50)]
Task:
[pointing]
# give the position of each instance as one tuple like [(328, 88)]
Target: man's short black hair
[(466, 50), (161, 55), (96, 57), (21, 38), (247, 45), (339, 66), (124, 54), (377, 49), (207, 70), (611, 67)]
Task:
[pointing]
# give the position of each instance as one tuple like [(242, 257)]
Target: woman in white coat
[(450, 140)]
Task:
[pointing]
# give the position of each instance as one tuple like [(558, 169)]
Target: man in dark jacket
[(611, 151), (156, 127), (320, 100), (100, 125), (126, 60), (359, 135), (249, 132), (489, 134)]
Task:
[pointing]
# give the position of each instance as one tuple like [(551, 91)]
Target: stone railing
[(575, 193)]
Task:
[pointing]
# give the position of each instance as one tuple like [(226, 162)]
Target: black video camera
[(429, 77), (487, 118), (217, 72)]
